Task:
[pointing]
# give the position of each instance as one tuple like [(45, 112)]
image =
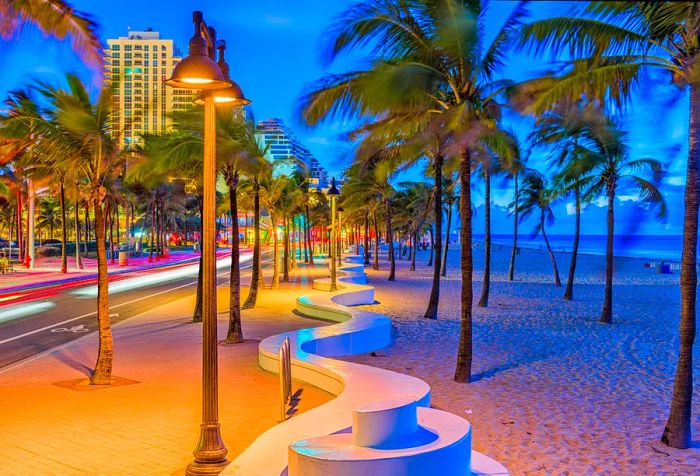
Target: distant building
[(283, 145), (135, 67)]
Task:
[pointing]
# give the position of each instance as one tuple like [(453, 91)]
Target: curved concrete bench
[(354, 385)]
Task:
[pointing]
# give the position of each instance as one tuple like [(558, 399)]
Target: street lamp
[(340, 234), (333, 195), (199, 71)]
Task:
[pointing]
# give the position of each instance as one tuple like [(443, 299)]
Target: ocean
[(657, 247)]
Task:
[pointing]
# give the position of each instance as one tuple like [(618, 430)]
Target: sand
[(554, 391)]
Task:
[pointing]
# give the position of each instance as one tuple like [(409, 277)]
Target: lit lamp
[(199, 71), (333, 195), (340, 234)]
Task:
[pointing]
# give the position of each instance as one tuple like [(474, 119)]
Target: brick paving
[(147, 423)]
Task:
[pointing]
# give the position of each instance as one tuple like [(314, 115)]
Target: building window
[(115, 63), (127, 63), (115, 47), (127, 47), (154, 62)]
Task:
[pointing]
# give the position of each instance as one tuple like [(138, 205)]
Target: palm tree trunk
[(432, 244), (557, 281), (87, 229), (606, 312), (294, 243), (463, 370), (111, 234), (413, 251), (64, 228), (255, 277), (375, 263), (197, 314), (484, 299), (78, 260), (285, 257), (275, 256), (366, 237), (235, 331), (569, 291), (20, 232), (431, 311), (103, 368), (310, 237), (153, 234), (443, 268), (390, 238), (514, 249), (677, 432)]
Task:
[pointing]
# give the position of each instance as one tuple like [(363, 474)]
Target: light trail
[(22, 310), (140, 282)]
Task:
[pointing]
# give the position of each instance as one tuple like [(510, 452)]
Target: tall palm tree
[(432, 62), (77, 130), (536, 197), (54, 18), (611, 46), (608, 167), (567, 129), (451, 198), (495, 151)]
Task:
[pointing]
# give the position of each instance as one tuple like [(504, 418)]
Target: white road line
[(111, 307)]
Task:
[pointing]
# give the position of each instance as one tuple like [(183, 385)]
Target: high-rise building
[(135, 67), (283, 145)]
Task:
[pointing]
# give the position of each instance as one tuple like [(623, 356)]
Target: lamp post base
[(195, 468)]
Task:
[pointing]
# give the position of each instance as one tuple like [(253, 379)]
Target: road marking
[(111, 307), (80, 328)]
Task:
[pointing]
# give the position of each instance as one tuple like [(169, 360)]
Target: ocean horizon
[(657, 247)]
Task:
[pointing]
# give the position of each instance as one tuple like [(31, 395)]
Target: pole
[(210, 453), (31, 200), (331, 245), (340, 237)]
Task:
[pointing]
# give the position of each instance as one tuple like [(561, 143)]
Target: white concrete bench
[(354, 385)]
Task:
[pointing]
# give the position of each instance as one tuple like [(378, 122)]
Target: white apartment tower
[(135, 67)]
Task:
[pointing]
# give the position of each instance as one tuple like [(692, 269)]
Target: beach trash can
[(123, 258), (663, 268)]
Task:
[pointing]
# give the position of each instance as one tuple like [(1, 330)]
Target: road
[(53, 316)]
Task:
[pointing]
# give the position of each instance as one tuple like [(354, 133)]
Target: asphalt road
[(60, 314)]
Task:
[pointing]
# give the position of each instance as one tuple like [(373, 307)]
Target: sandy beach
[(554, 391)]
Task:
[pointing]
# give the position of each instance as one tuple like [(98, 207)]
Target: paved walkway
[(148, 422)]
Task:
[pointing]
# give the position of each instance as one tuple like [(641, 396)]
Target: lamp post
[(340, 234), (199, 71), (333, 195)]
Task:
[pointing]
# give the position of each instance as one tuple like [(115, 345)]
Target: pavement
[(147, 422)]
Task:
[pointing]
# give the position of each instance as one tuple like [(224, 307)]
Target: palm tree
[(49, 214), (609, 51), (451, 198), (54, 18), (536, 197), (608, 167), (494, 151), (433, 64), (77, 130), (517, 168), (567, 129)]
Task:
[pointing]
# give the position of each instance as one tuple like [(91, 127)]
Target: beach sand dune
[(554, 391)]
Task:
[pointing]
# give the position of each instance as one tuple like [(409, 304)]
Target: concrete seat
[(358, 388)]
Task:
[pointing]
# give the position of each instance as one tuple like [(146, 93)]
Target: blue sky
[(273, 52)]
